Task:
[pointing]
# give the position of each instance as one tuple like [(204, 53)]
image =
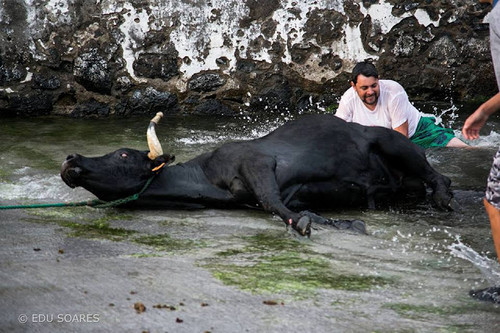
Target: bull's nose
[(70, 157), (70, 172), (67, 162), (74, 172), (71, 160)]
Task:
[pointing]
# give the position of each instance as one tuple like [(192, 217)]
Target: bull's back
[(315, 147), (311, 128)]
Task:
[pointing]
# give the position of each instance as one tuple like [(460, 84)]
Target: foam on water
[(201, 139), (448, 115), (40, 187), (490, 140), (252, 128)]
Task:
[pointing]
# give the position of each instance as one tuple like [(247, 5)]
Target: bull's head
[(118, 174)]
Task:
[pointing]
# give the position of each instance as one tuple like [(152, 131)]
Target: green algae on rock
[(273, 264)]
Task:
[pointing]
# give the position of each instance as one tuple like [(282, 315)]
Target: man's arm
[(344, 110), (401, 110), (403, 128)]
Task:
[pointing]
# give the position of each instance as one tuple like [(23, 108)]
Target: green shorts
[(428, 134)]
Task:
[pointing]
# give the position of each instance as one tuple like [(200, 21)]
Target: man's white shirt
[(392, 110)]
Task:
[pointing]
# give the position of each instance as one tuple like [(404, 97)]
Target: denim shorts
[(493, 186)]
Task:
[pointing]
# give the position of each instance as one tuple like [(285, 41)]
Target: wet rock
[(269, 28), (148, 101), (91, 109), (11, 72), (157, 66), (301, 52), (444, 50), (112, 51), (409, 39), (139, 307), (206, 82), (246, 66), (404, 6), (277, 97), (325, 26), (371, 35), (332, 61), (259, 10), (46, 81), (26, 103), (368, 3), (214, 107), (352, 11), (222, 61), (92, 71), (475, 48)]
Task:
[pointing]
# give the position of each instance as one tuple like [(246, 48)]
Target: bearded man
[(374, 102)]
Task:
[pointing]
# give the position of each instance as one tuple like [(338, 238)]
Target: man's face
[(368, 90)]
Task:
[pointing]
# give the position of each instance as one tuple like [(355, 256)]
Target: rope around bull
[(101, 203), (91, 203)]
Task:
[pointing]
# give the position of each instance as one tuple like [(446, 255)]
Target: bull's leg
[(405, 155), (490, 294), (259, 176), (354, 225)]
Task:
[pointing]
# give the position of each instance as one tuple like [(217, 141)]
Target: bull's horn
[(155, 149)]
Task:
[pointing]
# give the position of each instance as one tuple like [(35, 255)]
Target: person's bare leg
[(494, 215), (491, 294), (456, 143)]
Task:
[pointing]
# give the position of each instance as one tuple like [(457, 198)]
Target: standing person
[(471, 131), (374, 102)]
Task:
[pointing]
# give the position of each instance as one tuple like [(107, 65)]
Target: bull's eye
[(123, 155)]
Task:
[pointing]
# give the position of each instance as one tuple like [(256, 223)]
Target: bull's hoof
[(359, 226), (491, 294), (453, 205), (303, 226), (444, 200), (354, 225)]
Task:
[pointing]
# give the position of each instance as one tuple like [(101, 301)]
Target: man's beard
[(375, 100)]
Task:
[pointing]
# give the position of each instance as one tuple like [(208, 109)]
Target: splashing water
[(424, 283), (489, 268), (445, 115), (43, 187), (200, 138), (489, 140)]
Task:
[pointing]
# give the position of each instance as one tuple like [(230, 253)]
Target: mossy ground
[(427, 312), (263, 263), (270, 263), (421, 311), (97, 229), (5, 175), (99, 226), (165, 243)]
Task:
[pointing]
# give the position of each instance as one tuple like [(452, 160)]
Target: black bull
[(315, 162)]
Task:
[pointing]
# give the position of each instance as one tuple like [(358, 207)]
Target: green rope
[(91, 203)]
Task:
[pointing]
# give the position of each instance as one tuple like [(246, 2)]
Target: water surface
[(403, 276)]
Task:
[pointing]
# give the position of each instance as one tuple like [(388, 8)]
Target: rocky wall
[(95, 58)]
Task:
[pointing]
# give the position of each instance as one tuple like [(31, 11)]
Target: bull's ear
[(165, 158)]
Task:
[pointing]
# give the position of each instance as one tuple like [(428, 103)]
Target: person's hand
[(477, 120), (474, 123)]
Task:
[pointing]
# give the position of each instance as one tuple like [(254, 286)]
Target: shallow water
[(418, 279)]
